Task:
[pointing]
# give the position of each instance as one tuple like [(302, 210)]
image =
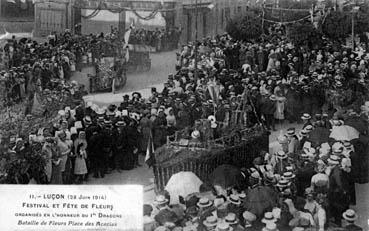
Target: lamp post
[(354, 11)]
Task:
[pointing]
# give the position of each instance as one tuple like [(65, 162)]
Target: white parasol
[(344, 132), (182, 184)]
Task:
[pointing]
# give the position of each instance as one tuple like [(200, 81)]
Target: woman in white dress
[(80, 168)]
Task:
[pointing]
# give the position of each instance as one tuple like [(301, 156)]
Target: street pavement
[(161, 65)]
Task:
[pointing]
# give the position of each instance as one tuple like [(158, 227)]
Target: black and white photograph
[(184, 115)]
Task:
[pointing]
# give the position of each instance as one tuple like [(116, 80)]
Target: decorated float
[(197, 150)]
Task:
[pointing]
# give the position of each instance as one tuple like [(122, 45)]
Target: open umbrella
[(182, 184), (226, 176), (344, 132), (319, 135)]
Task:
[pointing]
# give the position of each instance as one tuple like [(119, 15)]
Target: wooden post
[(122, 24)]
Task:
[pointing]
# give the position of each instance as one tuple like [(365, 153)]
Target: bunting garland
[(288, 22), (99, 8), (92, 15), (287, 9)]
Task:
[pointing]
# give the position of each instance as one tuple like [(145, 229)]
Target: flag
[(150, 158), (126, 40), (214, 91), (127, 54), (128, 34)]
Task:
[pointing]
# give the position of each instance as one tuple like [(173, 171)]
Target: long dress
[(56, 175), (160, 131), (64, 149), (47, 153), (80, 167), (146, 130), (280, 103)]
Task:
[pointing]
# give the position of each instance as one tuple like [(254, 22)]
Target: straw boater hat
[(211, 221), (273, 97), (291, 132), (269, 179), (87, 120), (309, 128), (281, 155), (268, 218), (283, 183), (161, 228), (195, 134), (242, 196), (223, 227), (288, 175), (234, 199), (333, 160), (305, 116), (248, 216), (100, 119), (270, 227), (303, 133), (337, 148), (120, 124), (231, 219), (204, 202), (350, 215), (348, 145), (160, 200)]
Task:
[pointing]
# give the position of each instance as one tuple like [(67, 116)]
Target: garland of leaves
[(149, 17), (93, 14)]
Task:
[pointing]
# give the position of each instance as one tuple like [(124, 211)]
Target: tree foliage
[(337, 25), (246, 28), (304, 34)]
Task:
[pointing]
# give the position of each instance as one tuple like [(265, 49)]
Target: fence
[(239, 147)]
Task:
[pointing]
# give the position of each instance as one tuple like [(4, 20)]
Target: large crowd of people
[(160, 39), (30, 65), (308, 179)]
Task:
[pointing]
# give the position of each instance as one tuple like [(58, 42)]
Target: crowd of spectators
[(160, 39), (272, 81)]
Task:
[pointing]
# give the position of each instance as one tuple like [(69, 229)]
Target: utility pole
[(196, 35), (353, 30)]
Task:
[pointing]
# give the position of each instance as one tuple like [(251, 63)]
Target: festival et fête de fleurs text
[(68, 210)]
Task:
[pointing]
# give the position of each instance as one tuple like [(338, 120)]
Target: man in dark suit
[(267, 110), (95, 154), (120, 143)]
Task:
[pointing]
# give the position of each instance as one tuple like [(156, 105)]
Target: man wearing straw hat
[(350, 217), (293, 142), (337, 196)]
